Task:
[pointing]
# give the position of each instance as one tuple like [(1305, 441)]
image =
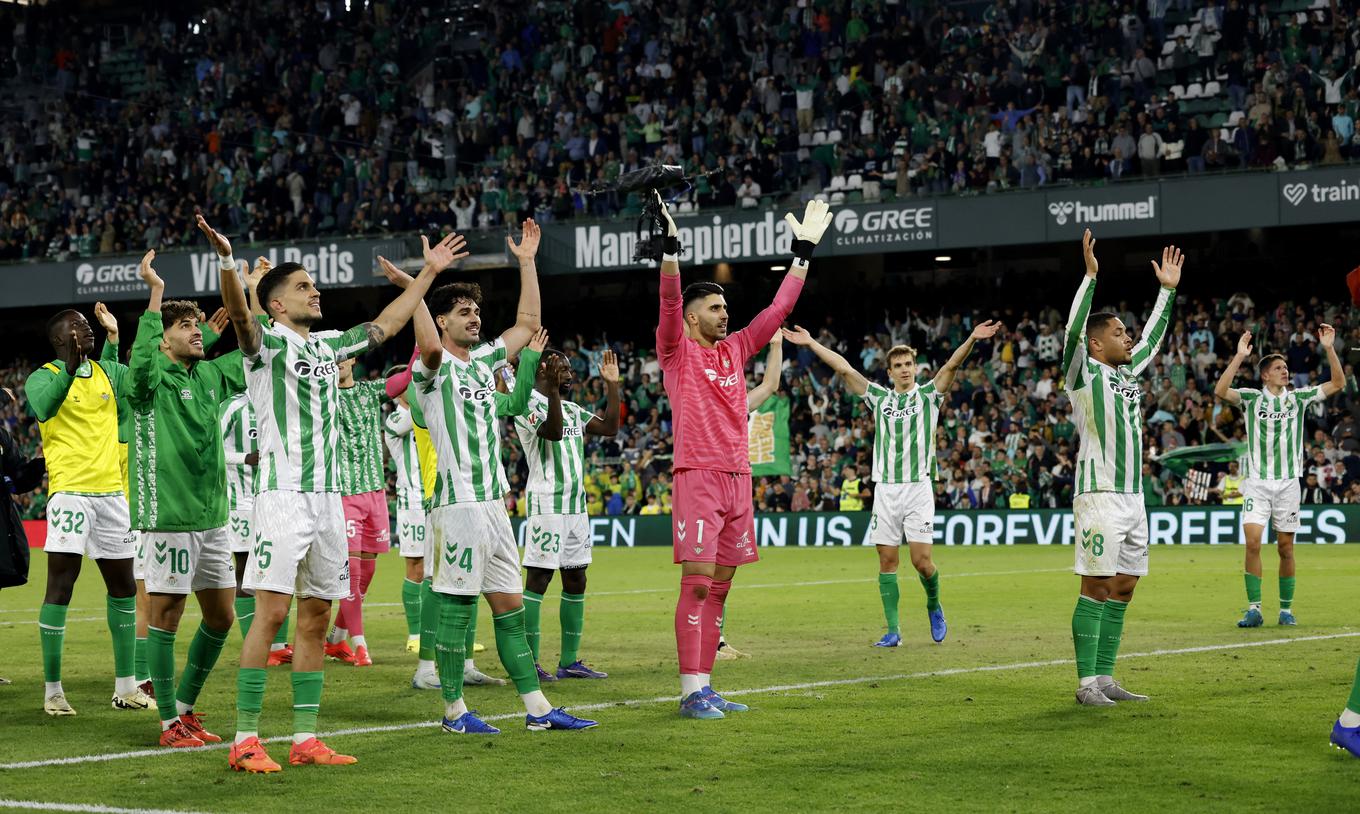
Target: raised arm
[(427, 334), (1327, 336), (1223, 387), (517, 402), (398, 382), (608, 424), (212, 328), (806, 234), (1074, 337), (945, 378), (670, 325), (769, 383), (550, 428), (248, 329), (529, 315), (854, 380), (439, 257), (1169, 275), (144, 369)]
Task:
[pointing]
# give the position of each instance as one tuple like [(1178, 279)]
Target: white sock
[(125, 685), (705, 680), (689, 683), (360, 641), (1256, 606), (468, 665), (337, 635), (1104, 681), (53, 688), (1088, 681), (166, 724), (536, 703), (455, 710), (182, 708), (303, 737), (1350, 719), (277, 646), (425, 665), (242, 737)]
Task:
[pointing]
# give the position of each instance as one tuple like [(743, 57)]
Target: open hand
[(671, 231), (1088, 253), (1326, 334), (147, 273), (448, 250), (529, 238), (986, 330), (609, 366), (394, 274), (1244, 345), (540, 340), (106, 319), (216, 239), (798, 335), (219, 320), (1169, 272)]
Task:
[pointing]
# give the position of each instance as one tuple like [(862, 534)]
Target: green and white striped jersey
[(1275, 431), (238, 441), (399, 434), (294, 388), (904, 432), (1107, 401), (557, 469), (459, 405), (361, 437)]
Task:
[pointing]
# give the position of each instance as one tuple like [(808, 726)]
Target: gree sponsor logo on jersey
[(1078, 212), (1276, 415), (305, 369), (480, 394), (571, 432), (1126, 390), (914, 408), (723, 381)]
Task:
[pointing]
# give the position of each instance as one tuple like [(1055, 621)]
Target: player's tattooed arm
[(1327, 338), (945, 378), (608, 424), (375, 333), (1223, 388), (854, 380), (249, 332)]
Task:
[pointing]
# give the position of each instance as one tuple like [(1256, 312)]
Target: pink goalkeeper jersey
[(707, 386)]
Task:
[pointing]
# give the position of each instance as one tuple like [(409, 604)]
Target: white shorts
[(413, 532), (177, 562), (300, 545), (556, 541), (473, 550), (241, 528), (903, 511), (93, 525), (1271, 502), (1112, 534)]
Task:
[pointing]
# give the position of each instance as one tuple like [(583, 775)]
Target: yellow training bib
[(80, 442)]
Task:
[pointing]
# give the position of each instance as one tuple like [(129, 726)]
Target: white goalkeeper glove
[(816, 219)]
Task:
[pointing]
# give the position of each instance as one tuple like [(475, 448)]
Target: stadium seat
[(1177, 91), (804, 154), (1194, 91), (819, 137), (1180, 31), (834, 137), (804, 139), (855, 181), (1168, 47), (837, 183), (686, 206), (1217, 120), (837, 198), (1235, 118), (1212, 89)]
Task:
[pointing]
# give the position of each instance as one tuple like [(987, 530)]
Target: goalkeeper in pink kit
[(712, 518)]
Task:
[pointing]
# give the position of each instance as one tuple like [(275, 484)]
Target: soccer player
[(905, 418), (472, 542), (755, 397), (1101, 364), (1274, 417), (363, 484), (400, 437), (179, 498), (75, 399), (712, 519), (558, 537), (292, 376)]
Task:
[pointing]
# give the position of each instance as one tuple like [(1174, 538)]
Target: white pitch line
[(669, 589), (671, 699), (37, 805)]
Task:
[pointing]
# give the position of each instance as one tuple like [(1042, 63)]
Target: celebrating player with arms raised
[(1101, 364), (1274, 417), (292, 375), (712, 519)]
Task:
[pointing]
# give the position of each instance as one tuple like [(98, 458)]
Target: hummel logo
[(693, 618), (680, 530)]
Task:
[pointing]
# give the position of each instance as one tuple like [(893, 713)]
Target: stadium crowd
[(288, 120), (1006, 429)]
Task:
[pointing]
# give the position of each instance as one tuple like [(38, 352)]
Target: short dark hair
[(442, 299), (272, 281), (56, 321), (697, 291), (175, 310), (1099, 320), (1267, 359)]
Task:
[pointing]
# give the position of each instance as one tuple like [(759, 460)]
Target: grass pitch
[(984, 722)]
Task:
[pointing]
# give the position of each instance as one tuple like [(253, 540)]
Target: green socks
[(1253, 589), (410, 602), (204, 649), (122, 616), (1353, 703), (471, 638), (160, 646), (533, 615), (139, 668), (1286, 592), (573, 619), (306, 700), (889, 593), (453, 613), (932, 586), (1086, 634), (514, 650), (249, 698), (282, 638), (1111, 631), (429, 620), (52, 626), (245, 613)]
